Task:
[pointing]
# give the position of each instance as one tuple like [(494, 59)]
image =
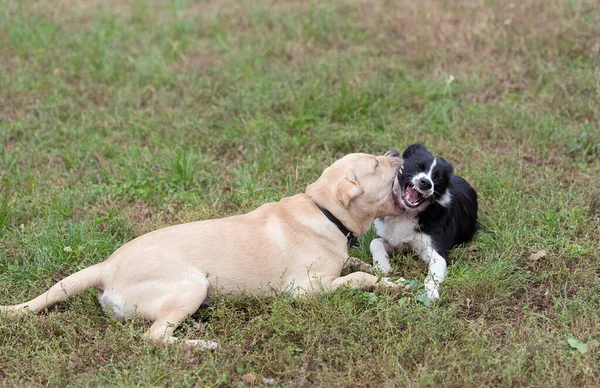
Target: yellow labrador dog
[(299, 245)]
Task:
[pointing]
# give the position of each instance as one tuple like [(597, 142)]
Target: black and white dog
[(441, 212)]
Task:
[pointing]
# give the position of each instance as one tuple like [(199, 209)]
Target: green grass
[(119, 117)]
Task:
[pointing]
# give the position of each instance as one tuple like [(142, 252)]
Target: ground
[(119, 117)]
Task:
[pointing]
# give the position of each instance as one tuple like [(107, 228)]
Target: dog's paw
[(207, 345), (432, 292), (391, 282), (382, 264), (359, 265), (365, 267)]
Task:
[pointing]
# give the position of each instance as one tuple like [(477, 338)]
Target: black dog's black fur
[(447, 226), (441, 212), (455, 225)]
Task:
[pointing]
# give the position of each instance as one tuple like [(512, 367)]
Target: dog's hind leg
[(180, 303)]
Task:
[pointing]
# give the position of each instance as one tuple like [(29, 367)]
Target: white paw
[(198, 325), (392, 282), (382, 264), (432, 291), (208, 345)]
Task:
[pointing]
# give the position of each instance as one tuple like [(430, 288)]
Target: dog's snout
[(425, 184), (393, 152)]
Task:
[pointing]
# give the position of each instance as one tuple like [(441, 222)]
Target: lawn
[(120, 117)]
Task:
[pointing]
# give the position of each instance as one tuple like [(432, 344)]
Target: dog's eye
[(437, 180), (420, 166)]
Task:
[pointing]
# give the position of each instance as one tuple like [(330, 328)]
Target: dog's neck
[(354, 220), (352, 239)]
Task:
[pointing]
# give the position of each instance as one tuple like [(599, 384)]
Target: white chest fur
[(394, 232), (397, 230)]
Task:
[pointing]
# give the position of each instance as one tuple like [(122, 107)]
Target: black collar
[(352, 239)]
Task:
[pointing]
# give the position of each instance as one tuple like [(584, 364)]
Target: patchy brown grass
[(257, 98), (80, 12), (460, 36), (201, 60)]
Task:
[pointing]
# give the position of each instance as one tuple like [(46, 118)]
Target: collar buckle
[(352, 239)]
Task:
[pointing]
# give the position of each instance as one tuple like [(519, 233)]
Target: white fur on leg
[(437, 266), (381, 260), (208, 345), (436, 275)]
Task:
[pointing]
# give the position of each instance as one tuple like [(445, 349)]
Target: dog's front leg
[(380, 250), (436, 275), (437, 266), (354, 262), (361, 280)]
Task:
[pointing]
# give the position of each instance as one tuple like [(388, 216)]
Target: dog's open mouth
[(412, 196)]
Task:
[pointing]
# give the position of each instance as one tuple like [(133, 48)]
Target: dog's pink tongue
[(412, 195)]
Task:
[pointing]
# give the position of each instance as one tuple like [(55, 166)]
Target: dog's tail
[(69, 286)]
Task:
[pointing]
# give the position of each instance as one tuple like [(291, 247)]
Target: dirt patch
[(500, 331), (171, 214), (81, 11), (572, 292), (17, 107), (201, 59), (540, 301), (301, 377), (145, 218), (594, 208), (140, 212), (10, 144), (461, 36)]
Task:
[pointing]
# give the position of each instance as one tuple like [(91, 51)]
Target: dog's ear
[(393, 152), (411, 149), (347, 190), (448, 167)]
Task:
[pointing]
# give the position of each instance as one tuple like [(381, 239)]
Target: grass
[(119, 117)]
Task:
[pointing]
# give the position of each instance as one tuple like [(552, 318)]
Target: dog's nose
[(393, 152), (425, 184)]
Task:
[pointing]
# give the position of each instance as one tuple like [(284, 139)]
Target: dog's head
[(424, 178), (362, 185)]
